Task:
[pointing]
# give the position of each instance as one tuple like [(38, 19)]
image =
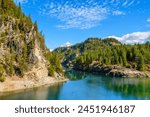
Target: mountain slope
[(108, 56), (23, 54), (89, 45)]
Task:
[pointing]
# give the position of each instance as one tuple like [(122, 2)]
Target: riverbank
[(102, 88), (113, 71), (16, 83)]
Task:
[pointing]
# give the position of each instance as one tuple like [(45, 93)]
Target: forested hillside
[(106, 52), (22, 46)]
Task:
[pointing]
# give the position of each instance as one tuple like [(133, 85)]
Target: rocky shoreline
[(15, 84), (113, 71), (36, 77)]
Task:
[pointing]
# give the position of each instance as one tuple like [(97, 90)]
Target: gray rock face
[(129, 73), (24, 45), (114, 71)]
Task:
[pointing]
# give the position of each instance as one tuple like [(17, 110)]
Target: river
[(87, 86)]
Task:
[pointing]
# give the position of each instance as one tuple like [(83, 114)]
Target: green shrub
[(2, 79), (2, 70), (50, 71)]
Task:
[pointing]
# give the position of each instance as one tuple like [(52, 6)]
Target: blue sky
[(72, 21)]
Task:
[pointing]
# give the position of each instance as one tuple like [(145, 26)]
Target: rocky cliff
[(113, 71), (23, 54)]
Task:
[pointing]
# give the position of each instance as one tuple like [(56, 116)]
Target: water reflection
[(75, 75), (139, 88), (41, 93), (86, 86)]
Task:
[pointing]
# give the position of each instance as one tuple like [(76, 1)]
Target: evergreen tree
[(116, 58), (36, 26), (3, 4), (2, 70), (12, 59), (124, 59), (140, 63)]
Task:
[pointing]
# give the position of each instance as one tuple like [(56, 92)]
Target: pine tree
[(116, 58), (29, 20), (36, 26), (140, 63), (120, 60), (2, 70), (124, 59), (12, 72), (25, 53), (2, 4)]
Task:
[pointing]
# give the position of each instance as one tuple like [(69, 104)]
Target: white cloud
[(148, 20), (83, 14), (67, 44), (136, 37), (31, 2), (117, 12), (131, 2), (51, 50), (74, 16), (20, 1), (128, 3)]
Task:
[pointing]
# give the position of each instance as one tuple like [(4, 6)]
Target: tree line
[(132, 56), (107, 51)]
